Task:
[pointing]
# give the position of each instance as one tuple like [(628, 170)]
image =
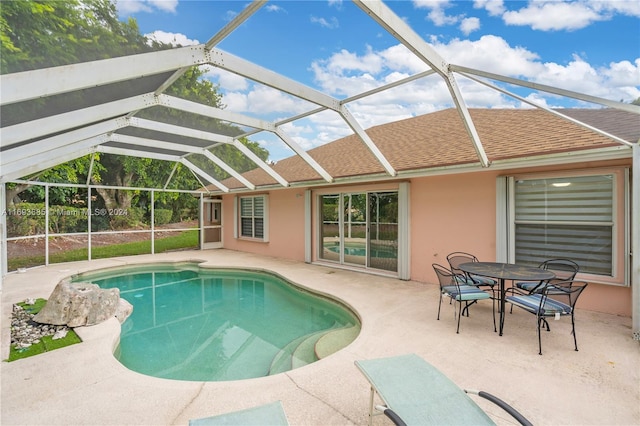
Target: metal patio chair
[(457, 258), (545, 303), (469, 294), (565, 270)]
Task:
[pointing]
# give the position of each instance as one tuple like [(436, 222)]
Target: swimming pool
[(191, 323)]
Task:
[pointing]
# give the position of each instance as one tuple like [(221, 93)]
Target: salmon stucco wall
[(447, 213), (451, 213), (286, 226), (457, 213)]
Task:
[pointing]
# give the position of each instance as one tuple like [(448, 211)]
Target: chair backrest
[(564, 291), (564, 269), (445, 276), (457, 258)]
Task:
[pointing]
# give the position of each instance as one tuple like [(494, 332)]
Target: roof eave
[(617, 152)]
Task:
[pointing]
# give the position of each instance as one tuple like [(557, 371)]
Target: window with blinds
[(252, 217), (570, 217)]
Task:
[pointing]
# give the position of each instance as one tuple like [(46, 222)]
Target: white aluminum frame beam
[(355, 126), (635, 243), (549, 89), (547, 109), (269, 78), (405, 34), (57, 123), (236, 65), (195, 169), (158, 126), (213, 137), (303, 155), (164, 157), (135, 153), (154, 143), (27, 85), (264, 166), (59, 141), (213, 112), (246, 13), (45, 160)]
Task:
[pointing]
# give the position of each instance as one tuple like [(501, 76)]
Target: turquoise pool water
[(199, 324), (359, 250)]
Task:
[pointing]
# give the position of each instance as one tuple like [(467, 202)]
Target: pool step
[(334, 340), (283, 360), (305, 353), (297, 353)]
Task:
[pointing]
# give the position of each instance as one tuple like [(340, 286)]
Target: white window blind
[(570, 217)]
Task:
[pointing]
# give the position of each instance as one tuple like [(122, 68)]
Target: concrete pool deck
[(83, 384)]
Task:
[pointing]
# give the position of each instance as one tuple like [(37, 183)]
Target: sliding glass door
[(360, 229)]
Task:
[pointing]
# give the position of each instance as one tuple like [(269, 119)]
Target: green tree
[(46, 33)]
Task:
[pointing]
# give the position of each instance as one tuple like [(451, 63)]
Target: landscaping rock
[(123, 310), (79, 304), (25, 332)]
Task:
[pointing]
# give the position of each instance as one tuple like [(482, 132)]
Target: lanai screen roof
[(93, 107)]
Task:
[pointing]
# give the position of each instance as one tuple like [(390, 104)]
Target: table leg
[(502, 296)]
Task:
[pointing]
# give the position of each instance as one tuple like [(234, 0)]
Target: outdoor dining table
[(506, 271)]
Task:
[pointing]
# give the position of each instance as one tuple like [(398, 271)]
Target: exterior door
[(360, 229), (211, 220)]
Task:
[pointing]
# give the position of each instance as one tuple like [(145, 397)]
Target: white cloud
[(624, 7), (551, 16), (175, 39), (228, 80), (331, 23), (274, 8), (127, 7), (346, 73), (164, 5), (263, 101), (556, 15), (493, 7), (468, 25), (437, 13), (490, 53)]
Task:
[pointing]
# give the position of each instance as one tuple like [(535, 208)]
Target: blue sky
[(585, 46)]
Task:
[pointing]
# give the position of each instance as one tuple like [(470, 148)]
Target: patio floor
[(84, 385)]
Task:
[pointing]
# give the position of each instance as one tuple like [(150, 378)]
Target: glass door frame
[(351, 255)]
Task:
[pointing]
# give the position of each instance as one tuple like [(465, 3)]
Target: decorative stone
[(79, 304), (25, 332), (60, 334), (123, 310)]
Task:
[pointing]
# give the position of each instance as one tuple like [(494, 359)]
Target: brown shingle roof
[(439, 139)]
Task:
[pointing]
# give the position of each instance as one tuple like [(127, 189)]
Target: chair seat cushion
[(455, 289), (475, 280), (476, 295), (483, 280), (465, 292), (531, 303), (527, 285)]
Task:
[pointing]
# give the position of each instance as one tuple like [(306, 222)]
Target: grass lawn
[(182, 240)]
